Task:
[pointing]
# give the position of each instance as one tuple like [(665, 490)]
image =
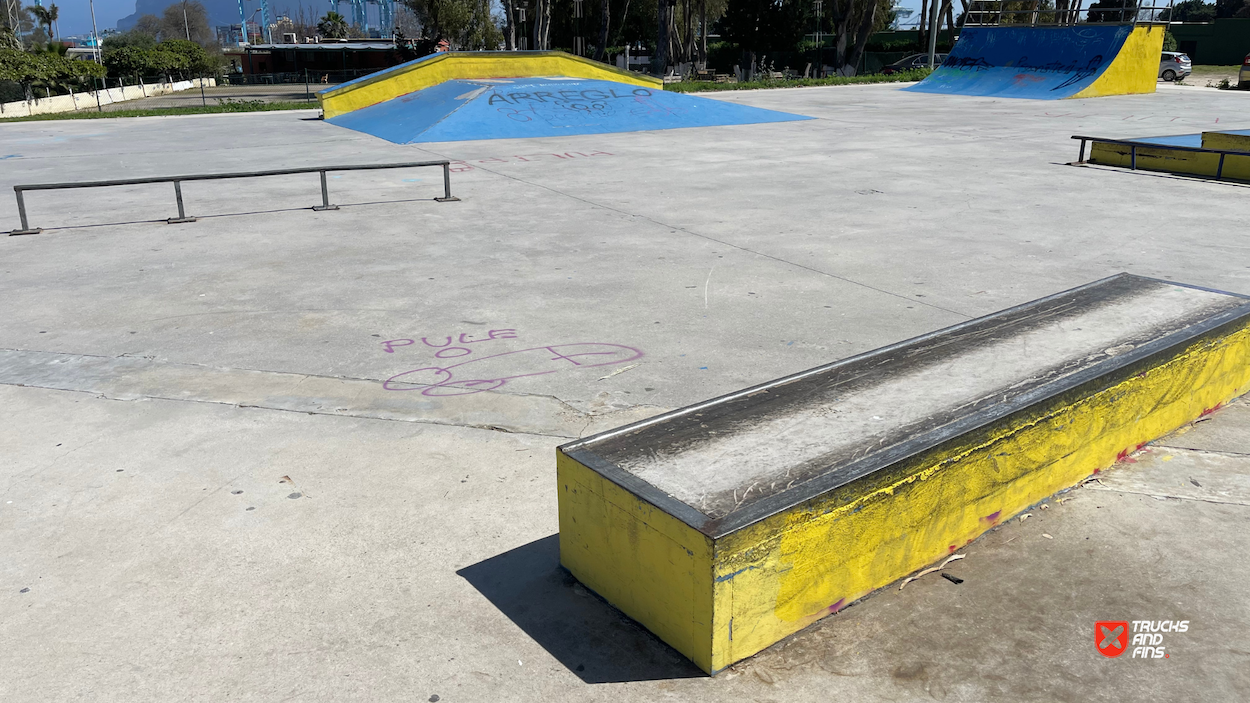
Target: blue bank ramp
[(1049, 62), (463, 110)]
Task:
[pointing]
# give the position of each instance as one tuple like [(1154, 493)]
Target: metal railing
[(1031, 13), (1134, 146), (178, 180)]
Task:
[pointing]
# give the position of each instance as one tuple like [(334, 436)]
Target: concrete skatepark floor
[(208, 493)]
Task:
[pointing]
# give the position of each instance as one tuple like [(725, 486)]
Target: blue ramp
[(463, 110), (1026, 62)]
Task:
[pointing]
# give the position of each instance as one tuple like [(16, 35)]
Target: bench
[(727, 525)]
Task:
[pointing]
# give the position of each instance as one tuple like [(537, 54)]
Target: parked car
[(1243, 78), (1174, 66), (913, 61)]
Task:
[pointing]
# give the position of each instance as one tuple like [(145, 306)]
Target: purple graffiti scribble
[(457, 380), (465, 338)]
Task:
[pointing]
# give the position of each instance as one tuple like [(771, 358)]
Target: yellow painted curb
[(432, 70), (721, 585)]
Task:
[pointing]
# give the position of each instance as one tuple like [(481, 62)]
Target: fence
[(317, 78)]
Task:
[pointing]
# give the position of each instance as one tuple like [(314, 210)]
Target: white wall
[(87, 101)]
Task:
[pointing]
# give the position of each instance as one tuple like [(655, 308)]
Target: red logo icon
[(1111, 637)]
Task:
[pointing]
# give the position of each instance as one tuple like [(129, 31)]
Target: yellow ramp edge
[(1135, 69), (423, 73), (722, 535)]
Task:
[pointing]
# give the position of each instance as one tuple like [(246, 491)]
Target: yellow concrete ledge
[(1226, 141), (1236, 167), (432, 70), (719, 594)]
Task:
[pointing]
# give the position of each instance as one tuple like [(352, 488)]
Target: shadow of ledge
[(591, 638)]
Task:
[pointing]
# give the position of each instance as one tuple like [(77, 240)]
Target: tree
[(198, 61), (464, 24), (1229, 8), (133, 38), (187, 20), (605, 18), (149, 25), (48, 69), (766, 25), (1189, 11), (9, 40), (854, 23), (43, 17), (1112, 11), (332, 25), (134, 54)]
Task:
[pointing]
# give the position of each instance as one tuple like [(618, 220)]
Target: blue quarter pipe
[(461, 110), (1026, 62)]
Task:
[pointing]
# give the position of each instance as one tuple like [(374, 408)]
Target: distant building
[(229, 35)]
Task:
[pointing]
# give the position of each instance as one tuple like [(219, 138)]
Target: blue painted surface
[(463, 110), (1041, 63), (1194, 140)]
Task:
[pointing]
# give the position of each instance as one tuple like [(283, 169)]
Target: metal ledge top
[(728, 462)]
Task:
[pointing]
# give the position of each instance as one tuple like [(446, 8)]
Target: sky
[(76, 14)]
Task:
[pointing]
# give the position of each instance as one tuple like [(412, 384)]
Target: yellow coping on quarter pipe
[(432, 70), (688, 523), (1135, 68), (1161, 158)]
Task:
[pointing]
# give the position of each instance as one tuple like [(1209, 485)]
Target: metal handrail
[(177, 181), (1133, 145)]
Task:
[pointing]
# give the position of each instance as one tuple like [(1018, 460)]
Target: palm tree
[(43, 16), (54, 13), (333, 26)]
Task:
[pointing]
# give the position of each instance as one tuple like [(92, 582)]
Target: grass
[(707, 86), (225, 105)]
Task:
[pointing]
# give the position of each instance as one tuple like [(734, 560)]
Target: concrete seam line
[(1216, 452), (249, 406), (1155, 494)]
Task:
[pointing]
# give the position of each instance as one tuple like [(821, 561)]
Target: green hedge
[(30, 67)]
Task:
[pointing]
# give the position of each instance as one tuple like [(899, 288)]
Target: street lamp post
[(95, 34)]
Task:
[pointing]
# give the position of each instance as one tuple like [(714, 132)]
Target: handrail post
[(1133, 157), (447, 196), (325, 195), (1219, 171), (21, 213), (182, 214), (1082, 159)]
